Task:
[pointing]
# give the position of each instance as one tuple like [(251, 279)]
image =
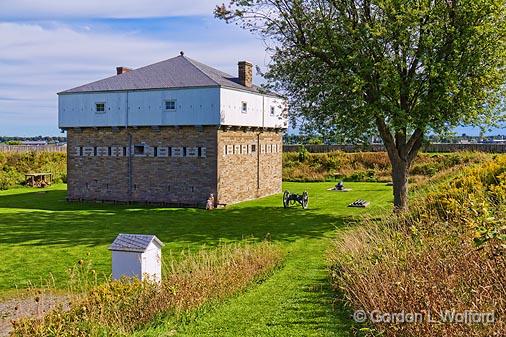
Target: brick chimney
[(245, 73), (122, 70)]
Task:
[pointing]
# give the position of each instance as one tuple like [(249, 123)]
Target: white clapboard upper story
[(177, 91)]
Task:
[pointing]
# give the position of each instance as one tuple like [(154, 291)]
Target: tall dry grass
[(368, 166), (448, 254), (119, 307)]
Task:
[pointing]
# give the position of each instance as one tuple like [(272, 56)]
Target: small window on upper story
[(244, 107), (100, 108), (170, 105), (272, 110)]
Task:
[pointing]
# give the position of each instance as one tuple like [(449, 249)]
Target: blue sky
[(50, 45)]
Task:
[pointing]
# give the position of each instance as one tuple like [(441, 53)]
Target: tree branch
[(414, 144), (387, 137)]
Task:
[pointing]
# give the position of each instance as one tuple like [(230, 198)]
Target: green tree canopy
[(399, 67)]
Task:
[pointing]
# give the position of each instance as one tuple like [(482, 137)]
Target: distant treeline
[(433, 147), (49, 139), (294, 139)]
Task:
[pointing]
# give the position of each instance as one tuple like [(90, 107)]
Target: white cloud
[(57, 9), (37, 61)]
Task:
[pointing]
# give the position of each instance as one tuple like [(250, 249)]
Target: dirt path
[(33, 306)]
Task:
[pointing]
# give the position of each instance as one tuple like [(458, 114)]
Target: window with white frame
[(100, 107), (272, 110), (170, 105), (244, 107)]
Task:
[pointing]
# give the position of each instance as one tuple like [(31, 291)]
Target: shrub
[(448, 253), (368, 175), (303, 153), (119, 307), (14, 166), (367, 166)]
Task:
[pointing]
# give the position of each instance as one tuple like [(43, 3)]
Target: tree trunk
[(400, 183), (401, 152)]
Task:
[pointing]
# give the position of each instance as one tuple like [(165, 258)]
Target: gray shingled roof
[(133, 242), (177, 72)]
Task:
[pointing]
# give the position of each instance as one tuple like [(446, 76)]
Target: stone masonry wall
[(271, 163), (189, 164), (249, 165), (99, 170)]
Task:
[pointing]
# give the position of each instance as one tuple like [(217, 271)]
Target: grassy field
[(296, 301), (41, 235)]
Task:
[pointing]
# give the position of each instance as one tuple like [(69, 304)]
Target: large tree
[(400, 68)]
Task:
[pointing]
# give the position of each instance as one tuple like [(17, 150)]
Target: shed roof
[(134, 242), (176, 72)]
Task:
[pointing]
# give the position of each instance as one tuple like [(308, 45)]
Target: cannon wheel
[(286, 199), (305, 199)]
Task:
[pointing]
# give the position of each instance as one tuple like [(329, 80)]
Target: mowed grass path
[(295, 301), (42, 234)]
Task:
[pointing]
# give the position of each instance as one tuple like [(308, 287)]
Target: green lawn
[(42, 234), (295, 301)]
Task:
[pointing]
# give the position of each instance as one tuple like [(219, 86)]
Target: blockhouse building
[(173, 132)]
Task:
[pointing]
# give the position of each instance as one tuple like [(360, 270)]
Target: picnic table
[(42, 179)]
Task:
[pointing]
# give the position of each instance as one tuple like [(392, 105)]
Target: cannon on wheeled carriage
[(293, 198)]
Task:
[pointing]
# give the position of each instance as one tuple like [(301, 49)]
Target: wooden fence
[(483, 147), (29, 148), (437, 147)]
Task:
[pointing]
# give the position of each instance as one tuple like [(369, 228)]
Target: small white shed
[(137, 255)]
